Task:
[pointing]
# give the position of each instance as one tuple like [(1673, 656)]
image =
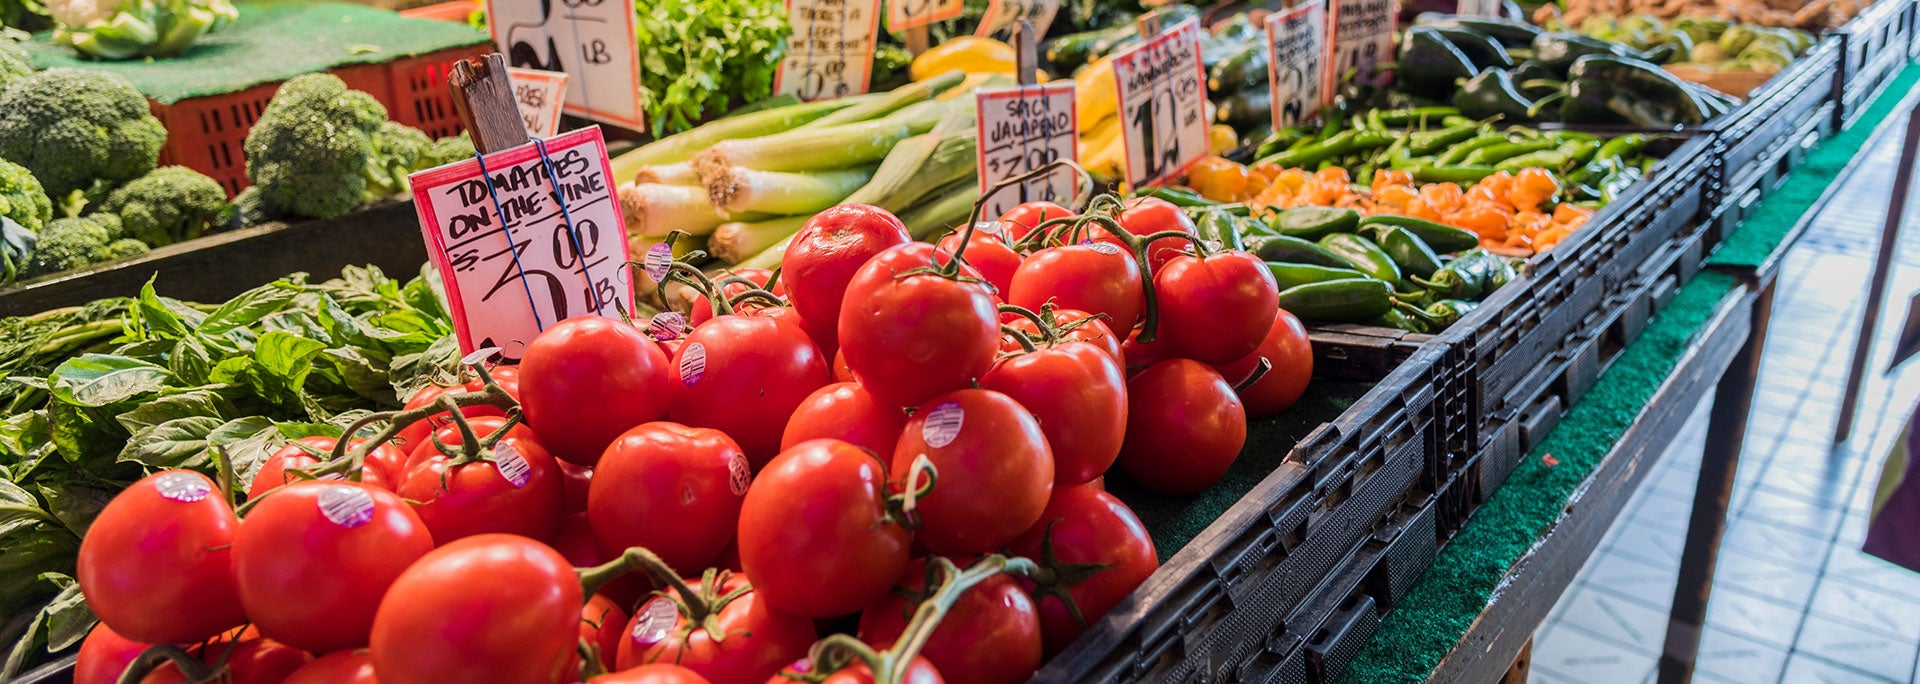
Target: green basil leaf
[(27, 553), (177, 443), (98, 380), (248, 308), (203, 401), (190, 361), (247, 442), (362, 375), (287, 356), (67, 617), (75, 505), (154, 319), (19, 510)]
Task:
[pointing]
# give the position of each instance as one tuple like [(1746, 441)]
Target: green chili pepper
[(1332, 148), (1313, 223), (1179, 197), (1365, 256), (1621, 147), (1465, 277), (1442, 238), (1458, 153), (1494, 154), (1407, 251), (1429, 142), (1344, 300), (1451, 310), (1399, 320), (1291, 275), (1294, 250), (1401, 118), (1220, 227), (1451, 174)]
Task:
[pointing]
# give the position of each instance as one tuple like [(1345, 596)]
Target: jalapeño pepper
[(1294, 250), (1451, 311), (1219, 227), (1406, 250), (1442, 238), (1313, 223), (1177, 196), (1400, 320), (1365, 256), (1494, 154), (1343, 143), (1291, 275), (1466, 277), (1338, 301), (1429, 142)]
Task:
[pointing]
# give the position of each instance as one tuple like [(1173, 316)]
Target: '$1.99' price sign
[(561, 250), (1163, 104), (1022, 130)]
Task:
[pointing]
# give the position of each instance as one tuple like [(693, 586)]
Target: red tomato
[(1093, 330), (751, 643), (989, 254), (995, 470), (518, 489), (1215, 309), (588, 379), (846, 412), (744, 375), (602, 623), (822, 334), (508, 377), (249, 661), (315, 558), (376, 470), (815, 532), (1078, 395), (651, 674), (1026, 216), (450, 436), (1185, 427), (155, 565), (829, 250), (990, 636), (702, 309), (338, 667), (1148, 215), (911, 338), (841, 373), (574, 480), (1291, 354), (1088, 526), (919, 671), (490, 608), (1095, 278), (1139, 356), (576, 543), (673, 489), (104, 654)]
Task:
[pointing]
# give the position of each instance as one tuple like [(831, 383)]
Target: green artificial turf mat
[(272, 42), (1437, 611), (1761, 233), (1173, 521)]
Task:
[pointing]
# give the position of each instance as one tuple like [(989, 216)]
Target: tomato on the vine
[(1078, 395), (751, 643), (816, 533), (1217, 308), (1097, 278), (673, 489), (1290, 354), (1096, 547), (382, 467), (988, 253), (1140, 355), (829, 250), (990, 636), (314, 560), (451, 438), (1075, 325), (911, 336), (919, 671), (576, 543), (338, 667), (499, 608), (1185, 427), (574, 480), (841, 373), (602, 622), (744, 375), (104, 654), (846, 412), (255, 660), (589, 378), (1148, 215), (740, 280), (664, 673), (156, 562), (514, 488), (1026, 216), (994, 470)]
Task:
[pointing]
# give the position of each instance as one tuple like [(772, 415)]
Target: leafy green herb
[(700, 58)]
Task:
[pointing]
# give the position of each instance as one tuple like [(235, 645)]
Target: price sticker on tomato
[(526, 237), (540, 95), (1022, 130), (589, 40), (1362, 41), (906, 14), (1296, 62), (1002, 15), (1163, 104), (831, 51)]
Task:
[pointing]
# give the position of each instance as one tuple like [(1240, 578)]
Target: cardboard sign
[(1362, 41), (1163, 104), (906, 14), (590, 40), (555, 256), (831, 52), (1480, 8), (1001, 15), (540, 95), (1022, 129), (1296, 62)]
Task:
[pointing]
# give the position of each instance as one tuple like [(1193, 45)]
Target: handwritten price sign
[(1362, 40), (1022, 129), (591, 40), (1001, 15), (1163, 104), (1296, 61), (532, 241), (540, 95), (831, 51), (906, 14)]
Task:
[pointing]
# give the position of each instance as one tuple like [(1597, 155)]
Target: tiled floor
[(1794, 599)]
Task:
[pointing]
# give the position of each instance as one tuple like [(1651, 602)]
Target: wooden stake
[(483, 97), (918, 40), (1026, 61), (1149, 26)]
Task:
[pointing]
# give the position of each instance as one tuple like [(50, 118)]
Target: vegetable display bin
[(1877, 43)]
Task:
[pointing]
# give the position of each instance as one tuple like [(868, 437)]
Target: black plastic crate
[(1202, 613), (1781, 107), (1876, 44)]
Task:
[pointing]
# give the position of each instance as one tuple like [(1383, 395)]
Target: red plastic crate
[(209, 134)]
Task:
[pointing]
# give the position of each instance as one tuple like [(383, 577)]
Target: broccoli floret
[(447, 150), (68, 243), (172, 204), (21, 197), (71, 127), (123, 247), (15, 65), (311, 150), (397, 150), (251, 210)]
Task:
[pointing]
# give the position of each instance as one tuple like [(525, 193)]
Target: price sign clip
[(483, 98)]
